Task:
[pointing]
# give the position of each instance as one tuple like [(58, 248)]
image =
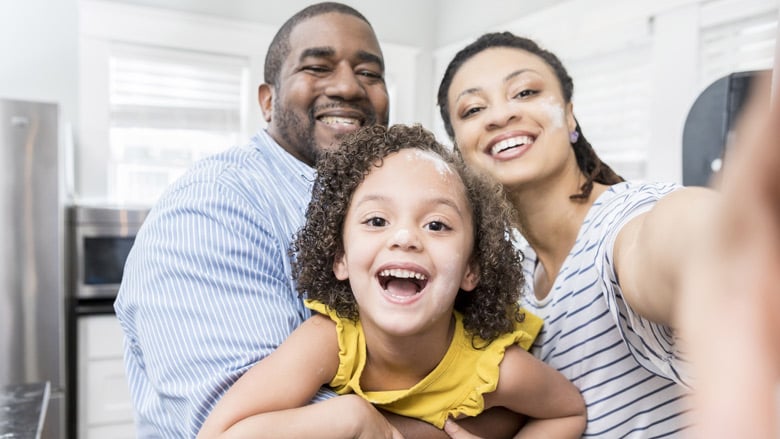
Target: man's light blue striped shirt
[(207, 290)]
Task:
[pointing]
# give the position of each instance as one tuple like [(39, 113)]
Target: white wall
[(38, 52), (39, 44)]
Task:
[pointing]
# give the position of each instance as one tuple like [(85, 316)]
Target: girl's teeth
[(402, 274)]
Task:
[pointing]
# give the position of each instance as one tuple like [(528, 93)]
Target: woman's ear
[(265, 97), (340, 266), (571, 122), (470, 277)]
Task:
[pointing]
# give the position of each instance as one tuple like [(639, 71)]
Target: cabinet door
[(103, 393)]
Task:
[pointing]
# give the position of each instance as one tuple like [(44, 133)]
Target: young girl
[(406, 259)]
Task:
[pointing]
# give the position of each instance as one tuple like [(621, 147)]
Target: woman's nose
[(501, 113)]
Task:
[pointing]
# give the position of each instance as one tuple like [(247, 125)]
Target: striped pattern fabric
[(207, 290), (627, 368)]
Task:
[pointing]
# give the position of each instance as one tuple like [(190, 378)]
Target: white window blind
[(169, 108), (741, 40), (612, 104)]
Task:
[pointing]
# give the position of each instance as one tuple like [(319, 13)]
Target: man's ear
[(340, 266), (265, 96), (470, 277)]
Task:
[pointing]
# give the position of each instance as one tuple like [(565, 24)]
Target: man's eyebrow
[(371, 58), (317, 52), (327, 52)]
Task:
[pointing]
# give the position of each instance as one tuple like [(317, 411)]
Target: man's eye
[(316, 69), (370, 74)]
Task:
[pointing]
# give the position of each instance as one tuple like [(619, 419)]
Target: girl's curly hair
[(490, 310)]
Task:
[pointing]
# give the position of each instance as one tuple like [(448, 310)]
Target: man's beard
[(298, 132)]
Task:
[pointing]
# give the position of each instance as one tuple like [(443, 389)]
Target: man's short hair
[(280, 45)]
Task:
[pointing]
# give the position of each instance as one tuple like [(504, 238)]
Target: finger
[(456, 432)]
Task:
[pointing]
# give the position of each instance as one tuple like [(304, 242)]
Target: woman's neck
[(550, 221)]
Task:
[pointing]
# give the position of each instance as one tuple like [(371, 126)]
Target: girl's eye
[(437, 226), (376, 222)]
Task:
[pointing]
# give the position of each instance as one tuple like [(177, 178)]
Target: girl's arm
[(529, 386), (272, 398)]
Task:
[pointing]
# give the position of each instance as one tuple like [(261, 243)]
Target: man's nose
[(345, 84)]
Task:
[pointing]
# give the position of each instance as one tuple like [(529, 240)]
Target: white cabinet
[(104, 406)]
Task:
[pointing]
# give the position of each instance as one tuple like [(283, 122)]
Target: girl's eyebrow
[(507, 78), (445, 201)]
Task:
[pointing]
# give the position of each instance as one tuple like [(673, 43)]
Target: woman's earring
[(574, 136)]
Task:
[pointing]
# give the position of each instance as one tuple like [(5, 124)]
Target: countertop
[(22, 410)]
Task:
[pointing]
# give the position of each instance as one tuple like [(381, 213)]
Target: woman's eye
[(526, 93), (437, 226), (471, 111)]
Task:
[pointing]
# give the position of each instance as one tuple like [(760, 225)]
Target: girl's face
[(509, 116), (408, 239)]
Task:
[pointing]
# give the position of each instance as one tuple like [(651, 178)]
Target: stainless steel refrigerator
[(31, 243)]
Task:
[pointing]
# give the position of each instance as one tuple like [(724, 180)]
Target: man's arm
[(204, 296)]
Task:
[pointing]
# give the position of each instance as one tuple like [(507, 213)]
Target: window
[(741, 40), (612, 104), (168, 109)]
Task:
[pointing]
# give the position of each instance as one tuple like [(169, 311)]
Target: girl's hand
[(365, 420)]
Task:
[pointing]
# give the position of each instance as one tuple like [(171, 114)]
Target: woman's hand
[(729, 312), (457, 432)]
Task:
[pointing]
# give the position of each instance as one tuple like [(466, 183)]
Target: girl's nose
[(406, 239)]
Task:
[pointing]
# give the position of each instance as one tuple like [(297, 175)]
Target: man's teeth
[(402, 274), (511, 143), (333, 120)]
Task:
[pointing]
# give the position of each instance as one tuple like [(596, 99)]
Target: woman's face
[(510, 118)]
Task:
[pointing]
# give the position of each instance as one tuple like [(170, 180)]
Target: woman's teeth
[(511, 143)]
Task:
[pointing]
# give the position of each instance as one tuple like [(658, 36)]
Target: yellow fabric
[(455, 387)]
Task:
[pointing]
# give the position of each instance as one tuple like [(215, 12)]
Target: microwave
[(99, 238)]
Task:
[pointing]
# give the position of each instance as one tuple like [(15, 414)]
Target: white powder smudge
[(441, 166), (554, 111)]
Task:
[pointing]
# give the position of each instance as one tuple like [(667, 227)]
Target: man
[(207, 290)]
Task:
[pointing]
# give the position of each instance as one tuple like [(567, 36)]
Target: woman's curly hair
[(490, 310)]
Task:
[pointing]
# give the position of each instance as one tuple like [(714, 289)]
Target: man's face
[(331, 83)]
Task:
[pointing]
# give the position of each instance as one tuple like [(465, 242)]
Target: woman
[(604, 257)]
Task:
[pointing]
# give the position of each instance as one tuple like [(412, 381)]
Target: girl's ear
[(470, 277), (340, 267)]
